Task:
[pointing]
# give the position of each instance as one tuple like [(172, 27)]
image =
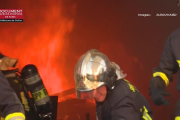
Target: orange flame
[(40, 39)]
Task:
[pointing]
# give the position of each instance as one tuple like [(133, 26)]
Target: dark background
[(55, 34)]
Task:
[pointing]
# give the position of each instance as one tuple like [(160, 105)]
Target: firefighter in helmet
[(116, 98)]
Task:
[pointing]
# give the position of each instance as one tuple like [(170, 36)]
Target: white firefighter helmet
[(93, 70)]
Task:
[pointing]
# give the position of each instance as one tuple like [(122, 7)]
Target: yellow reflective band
[(40, 94), (24, 101), (18, 114), (146, 114), (177, 118), (163, 76), (178, 62), (131, 87), (145, 118)]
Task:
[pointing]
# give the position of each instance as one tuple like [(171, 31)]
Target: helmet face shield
[(90, 77), (84, 95)]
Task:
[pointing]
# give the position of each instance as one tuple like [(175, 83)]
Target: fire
[(40, 40)]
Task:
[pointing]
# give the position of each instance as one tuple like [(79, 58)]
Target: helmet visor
[(84, 95), (89, 76)]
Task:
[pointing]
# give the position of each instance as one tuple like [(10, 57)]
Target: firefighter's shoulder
[(173, 44), (175, 35), (122, 89)]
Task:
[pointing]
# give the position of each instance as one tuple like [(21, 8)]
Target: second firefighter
[(116, 98)]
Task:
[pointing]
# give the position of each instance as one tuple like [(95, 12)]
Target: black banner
[(11, 20)]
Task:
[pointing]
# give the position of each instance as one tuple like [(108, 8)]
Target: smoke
[(118, 53)]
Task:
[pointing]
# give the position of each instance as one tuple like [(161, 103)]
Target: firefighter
[(10, 105), (116, 98), (162, 75), (9, 70)]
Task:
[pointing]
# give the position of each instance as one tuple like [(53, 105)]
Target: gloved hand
[(157, 91)]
